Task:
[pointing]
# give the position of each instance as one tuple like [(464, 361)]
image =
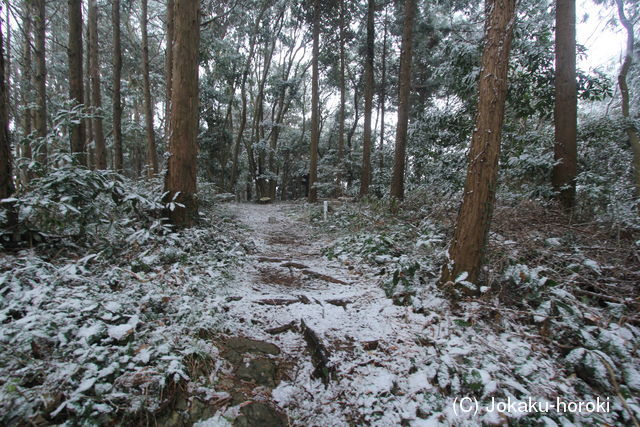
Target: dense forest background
[(255, 92)]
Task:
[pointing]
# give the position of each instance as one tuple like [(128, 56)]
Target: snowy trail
[(371, 343)]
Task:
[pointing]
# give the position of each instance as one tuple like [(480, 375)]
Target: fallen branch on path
[(277, 301), (319, 354), (292, 264), (284, 301), (339, 302), (291, 326), (267, 259), (324, 277)]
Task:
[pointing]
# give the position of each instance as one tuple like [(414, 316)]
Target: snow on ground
[(164, 332), (372, 341), (389, 364)]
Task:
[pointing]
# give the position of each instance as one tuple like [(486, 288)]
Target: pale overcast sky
[(605, 44)]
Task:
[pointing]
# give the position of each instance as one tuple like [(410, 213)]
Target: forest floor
[(358, 333), (329, 321), (271, 315)]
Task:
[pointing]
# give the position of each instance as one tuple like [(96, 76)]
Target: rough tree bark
[(25, 86), (180, 180), (383, 92), (96, 97), (6, 176), (7, 186), (8, 89), (152, 155), (343, 97), (40, 77), (397, 179), (472, 226), (632, 133), (76, 90), (138, 155), (88, 123), (365, 179), (315, 106), (118, 159), (354, 125), (168, 66), (565, 112)]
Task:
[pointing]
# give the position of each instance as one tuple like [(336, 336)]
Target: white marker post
[(326, 209)]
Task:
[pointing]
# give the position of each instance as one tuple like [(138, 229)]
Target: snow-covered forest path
[(339, 342)]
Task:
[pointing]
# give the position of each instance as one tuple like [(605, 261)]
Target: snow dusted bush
[(87, 206), (100, 322), (530, 334)]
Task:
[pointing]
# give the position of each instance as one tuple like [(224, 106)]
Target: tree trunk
[(40, 78), (383, 92), (180, 180), (6, 176), (25, 86), (7, 187), (76, 90), (632, 133), (352, 131), (565, 112), (279, 110), (8, 60), (152, 155), (303, 131), (365, 178), (243, 95), (261, 182), (241, 127), (169, 65), (88, 123), (96, 97), (404, 91), (343, 97), (118, 159), (315, 106), (474, 219), (138, 155)]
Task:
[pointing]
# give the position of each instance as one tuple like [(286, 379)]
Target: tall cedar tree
[(565, 112), (365, 179), (168, 65), (88, 123), (40, 77), (76, 90), (96, 97), (6, 176), (118, 159), (383, 92), (472, 226), (343, 97), (27, 122), (180, 180), (152, 155), (7, 186), (632, 133), (397, 179), (315, 105), (8, 62)]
